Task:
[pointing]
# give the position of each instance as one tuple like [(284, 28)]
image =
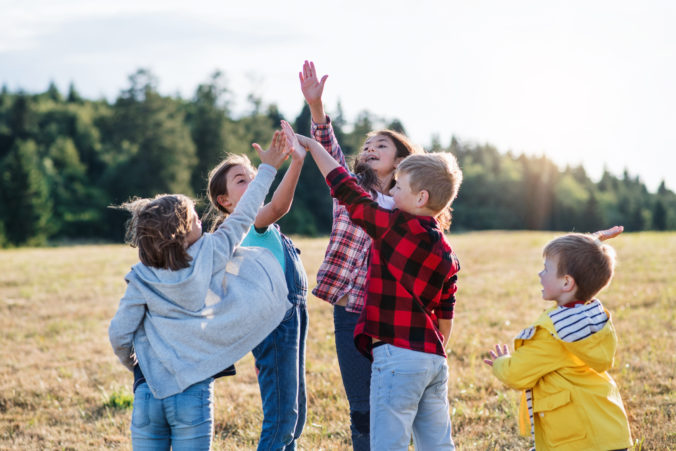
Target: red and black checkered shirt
[(412, 273)]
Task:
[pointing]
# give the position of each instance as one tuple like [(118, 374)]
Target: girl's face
[(380, 153), (195, 228), (237, 180)]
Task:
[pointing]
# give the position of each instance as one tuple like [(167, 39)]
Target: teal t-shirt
[(270, 239)]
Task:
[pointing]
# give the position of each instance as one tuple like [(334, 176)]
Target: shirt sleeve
[(447, 304), (363, 211), (324, 135)]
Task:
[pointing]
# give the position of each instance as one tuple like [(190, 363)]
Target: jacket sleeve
[(234, 228), (125, 323), (537, 357), (363, 211)]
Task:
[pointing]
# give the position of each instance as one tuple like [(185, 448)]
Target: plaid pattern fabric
[(345, 266), (412, 273)]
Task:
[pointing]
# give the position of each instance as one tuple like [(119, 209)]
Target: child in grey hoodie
[(194, 305)]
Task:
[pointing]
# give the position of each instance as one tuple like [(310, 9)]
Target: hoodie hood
[(185, 289), (585, 331)]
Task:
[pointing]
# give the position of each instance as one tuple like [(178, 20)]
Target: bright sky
[(591, 82)]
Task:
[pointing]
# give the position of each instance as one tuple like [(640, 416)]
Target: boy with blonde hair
[(561, 361), (408, 315)]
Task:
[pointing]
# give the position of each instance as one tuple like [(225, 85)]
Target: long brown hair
[(158, 228), (367, 176)]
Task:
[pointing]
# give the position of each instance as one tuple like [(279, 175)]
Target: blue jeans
[(280, 361), (355, 370), (409, 396), (183, 421)]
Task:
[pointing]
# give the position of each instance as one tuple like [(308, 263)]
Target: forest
[(65, 161)]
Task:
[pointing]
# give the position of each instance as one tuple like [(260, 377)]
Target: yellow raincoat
[(576, 405)]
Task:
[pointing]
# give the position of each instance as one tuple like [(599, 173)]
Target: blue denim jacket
[(296, 277)]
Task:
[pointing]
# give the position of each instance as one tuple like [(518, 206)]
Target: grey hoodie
[(187, 325)]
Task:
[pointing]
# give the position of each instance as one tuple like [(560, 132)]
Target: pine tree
[(25, 206)]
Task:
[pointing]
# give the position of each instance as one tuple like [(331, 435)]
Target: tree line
[(64, 160)]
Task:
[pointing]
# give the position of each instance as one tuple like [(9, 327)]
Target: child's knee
[(361, 421)]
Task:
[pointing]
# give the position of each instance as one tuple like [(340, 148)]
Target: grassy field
[(61, 387)]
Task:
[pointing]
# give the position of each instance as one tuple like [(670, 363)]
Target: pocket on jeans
[(405, 387), (193, 405), (290, 314), (140, 416)]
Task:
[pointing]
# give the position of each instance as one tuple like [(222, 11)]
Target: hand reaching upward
[(277, 153), (311, 86)]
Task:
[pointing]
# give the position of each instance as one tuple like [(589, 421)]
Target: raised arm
[(235, 227), (607, 234), (325, 162), (282, 198), (312, 89)]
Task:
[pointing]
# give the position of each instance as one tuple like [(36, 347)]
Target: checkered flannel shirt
[(345, 266), (412, 273)]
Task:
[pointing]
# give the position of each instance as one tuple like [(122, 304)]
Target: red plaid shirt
[(412, 273), (345, 266)]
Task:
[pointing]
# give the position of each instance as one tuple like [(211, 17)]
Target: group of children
[(198, 302)]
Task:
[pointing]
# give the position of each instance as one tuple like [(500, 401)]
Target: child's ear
[(422, 198), (397, 161), (569, 283), (223, 201)]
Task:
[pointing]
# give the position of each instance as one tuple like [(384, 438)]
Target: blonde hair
[(218, 186), (586, 259), (437, 173), (158, 228)]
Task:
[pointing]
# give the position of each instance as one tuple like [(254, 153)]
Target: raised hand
[(607, 234), (292, 139), (277, 153), (311, 86), (500, 350)]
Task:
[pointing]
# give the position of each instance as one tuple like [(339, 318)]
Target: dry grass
[(61, 387)]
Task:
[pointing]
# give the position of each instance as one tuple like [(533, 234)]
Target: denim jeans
[(409, 396), (183, 421), (355, 370), (280, 361)]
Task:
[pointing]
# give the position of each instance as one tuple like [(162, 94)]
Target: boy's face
[(404, 198), (237, 181), (552, 284), (195, 228)]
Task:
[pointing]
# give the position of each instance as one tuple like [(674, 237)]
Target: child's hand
[(499, 352), (292, 139), (277, 153), (607, 234), (311, 87)]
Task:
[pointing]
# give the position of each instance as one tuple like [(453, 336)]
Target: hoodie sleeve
[(126, 322), (530, 362), (235, 227)]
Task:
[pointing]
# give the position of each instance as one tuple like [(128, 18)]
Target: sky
[(582, 82)]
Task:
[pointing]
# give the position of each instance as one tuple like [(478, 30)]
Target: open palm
[(311, 86)]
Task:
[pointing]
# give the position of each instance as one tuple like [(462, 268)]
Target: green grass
[(61, 387)]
